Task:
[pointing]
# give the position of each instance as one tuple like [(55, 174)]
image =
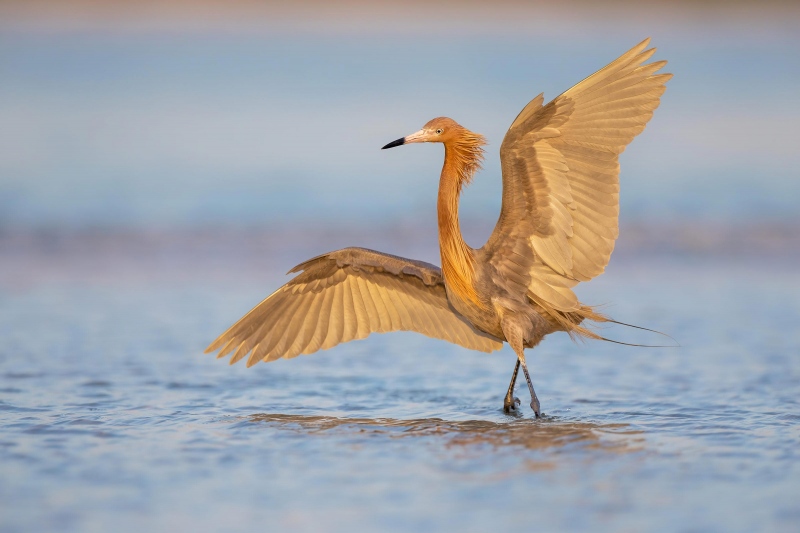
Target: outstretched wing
[(559, 217), (346, 295)]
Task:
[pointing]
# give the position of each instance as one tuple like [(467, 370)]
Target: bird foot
[(511, 405)]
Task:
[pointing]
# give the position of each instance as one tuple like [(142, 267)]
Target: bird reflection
[(546, 433)]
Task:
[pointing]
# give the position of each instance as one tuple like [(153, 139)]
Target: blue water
[(112, 418), (153, 188)]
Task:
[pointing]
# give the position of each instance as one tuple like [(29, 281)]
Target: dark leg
[(534, 399), (513, 333), (511, 403)]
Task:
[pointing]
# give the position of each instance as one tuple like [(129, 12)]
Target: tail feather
[(571, 322), (670, 337)]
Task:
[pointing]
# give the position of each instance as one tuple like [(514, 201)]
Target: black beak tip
[(398, 142)]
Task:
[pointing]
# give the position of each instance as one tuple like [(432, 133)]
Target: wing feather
[(370, 320), (335, 326), (346, 295), (272, 335), (561, 176), (378, 294), (306, 333), (320, 327), (400, 311), (411, 321), (228, 346), (349, 310)]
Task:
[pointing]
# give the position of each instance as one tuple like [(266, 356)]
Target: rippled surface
[(112, 419)]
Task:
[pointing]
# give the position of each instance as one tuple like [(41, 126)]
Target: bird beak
[(417, 137)]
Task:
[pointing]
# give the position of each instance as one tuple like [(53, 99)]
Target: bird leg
[(510, 403), (514, 335), (534, 400)]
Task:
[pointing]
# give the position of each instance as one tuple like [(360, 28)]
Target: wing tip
[(252, 359), (215, 345), (641, 51)]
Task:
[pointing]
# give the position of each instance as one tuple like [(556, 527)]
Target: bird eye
[(439, 131)]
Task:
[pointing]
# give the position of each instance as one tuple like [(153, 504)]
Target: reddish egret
[(557, 227)]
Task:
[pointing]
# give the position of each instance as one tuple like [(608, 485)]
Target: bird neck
[(462, 157)]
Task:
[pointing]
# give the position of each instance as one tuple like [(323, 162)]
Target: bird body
[(557, 227)]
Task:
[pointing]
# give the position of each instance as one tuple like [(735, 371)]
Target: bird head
[(438, 130)]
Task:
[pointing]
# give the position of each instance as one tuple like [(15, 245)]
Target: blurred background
[(260, 118), (163, 163)]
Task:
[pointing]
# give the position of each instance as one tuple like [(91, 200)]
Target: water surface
[(110, 416)]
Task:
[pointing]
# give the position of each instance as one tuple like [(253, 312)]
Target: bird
[(557, 227)]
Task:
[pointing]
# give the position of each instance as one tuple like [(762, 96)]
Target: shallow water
[(112, 418)]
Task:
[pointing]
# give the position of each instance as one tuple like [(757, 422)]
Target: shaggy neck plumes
[(462, 158)]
